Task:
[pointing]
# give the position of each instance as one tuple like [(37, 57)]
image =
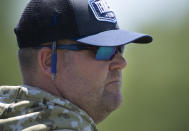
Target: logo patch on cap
[(102, 10)]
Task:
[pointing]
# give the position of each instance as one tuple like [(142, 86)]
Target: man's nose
[(118, 62)]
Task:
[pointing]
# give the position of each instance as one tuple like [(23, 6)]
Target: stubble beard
[(108, 103)]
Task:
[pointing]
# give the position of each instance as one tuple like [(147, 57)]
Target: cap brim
[(116, 38)]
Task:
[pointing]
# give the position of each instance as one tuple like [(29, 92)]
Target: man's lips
[(114, 82), (113, 86)]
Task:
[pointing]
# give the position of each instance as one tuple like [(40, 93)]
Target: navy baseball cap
[(91, 22)]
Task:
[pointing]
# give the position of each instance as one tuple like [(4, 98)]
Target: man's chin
[(117, 101), (113, 101), (108, 104)]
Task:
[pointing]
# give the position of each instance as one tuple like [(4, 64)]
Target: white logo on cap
[(102, 10)]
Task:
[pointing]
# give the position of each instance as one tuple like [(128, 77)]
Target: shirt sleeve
[(64, 130), (42, 127)]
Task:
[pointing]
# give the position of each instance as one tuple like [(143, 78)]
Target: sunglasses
[(102, 52)]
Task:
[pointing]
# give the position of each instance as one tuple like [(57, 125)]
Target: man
[(71, 60)]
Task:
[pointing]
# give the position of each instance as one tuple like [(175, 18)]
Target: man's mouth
[(114, 82)]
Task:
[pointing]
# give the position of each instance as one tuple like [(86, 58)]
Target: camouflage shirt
[(25, 108)]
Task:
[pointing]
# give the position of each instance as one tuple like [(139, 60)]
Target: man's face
[(91, 84)]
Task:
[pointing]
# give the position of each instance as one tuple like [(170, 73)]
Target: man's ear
[(44, 60)]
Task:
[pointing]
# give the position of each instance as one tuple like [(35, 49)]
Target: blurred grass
[(9, 72), (156, 79)]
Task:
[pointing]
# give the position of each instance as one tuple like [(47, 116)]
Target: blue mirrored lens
[(105, 53)]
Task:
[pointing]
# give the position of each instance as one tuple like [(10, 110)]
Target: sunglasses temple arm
[(54, 60)]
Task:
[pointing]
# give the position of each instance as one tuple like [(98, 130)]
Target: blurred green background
[(156, 79)]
